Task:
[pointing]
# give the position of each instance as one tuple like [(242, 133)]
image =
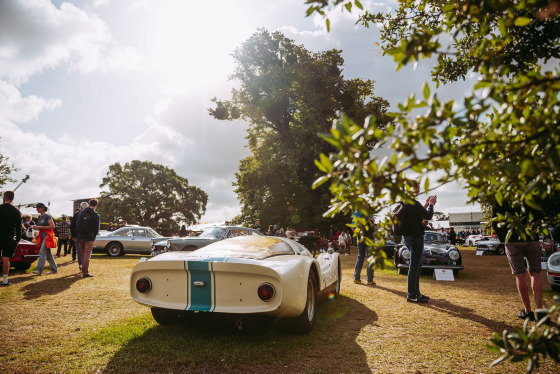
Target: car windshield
[(153, 234), (254, 247), (213, 232), (433, 237)]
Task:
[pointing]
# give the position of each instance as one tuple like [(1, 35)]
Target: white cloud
[(18, 109), (35, 35)]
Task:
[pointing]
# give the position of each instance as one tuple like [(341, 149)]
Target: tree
[(288, 95), (5, 170), (150, 194), (502, 141)]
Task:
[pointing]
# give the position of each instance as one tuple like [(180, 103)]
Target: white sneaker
[(52, 272), (36, 272)]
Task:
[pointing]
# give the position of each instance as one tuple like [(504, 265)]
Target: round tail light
[(144, 285), (266, 292)]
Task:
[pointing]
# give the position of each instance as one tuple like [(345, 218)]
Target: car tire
[(114, 249), (189, 248), (168, 316), (555, 288), (338, 280), (304, 323), (21, 265), (403, 271), (501, 250), (455, 272)]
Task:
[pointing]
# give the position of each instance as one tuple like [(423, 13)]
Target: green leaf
[(522, 21), (426, 91), (328, 23), (359, 5)]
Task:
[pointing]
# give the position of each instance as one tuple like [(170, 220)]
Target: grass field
[(65, 324)]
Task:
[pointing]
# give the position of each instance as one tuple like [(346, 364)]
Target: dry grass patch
[(64, 323)]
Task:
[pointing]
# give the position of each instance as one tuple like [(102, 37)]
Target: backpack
[(397, 218), (85, 222)]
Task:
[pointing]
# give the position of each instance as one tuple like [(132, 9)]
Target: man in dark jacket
[(413, 233), (74, 232), (88, 228), (521, 251), (10, 233)]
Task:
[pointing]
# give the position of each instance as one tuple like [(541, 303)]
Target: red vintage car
[(26, 254)]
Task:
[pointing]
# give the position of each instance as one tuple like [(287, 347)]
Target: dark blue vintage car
[(437, 255)]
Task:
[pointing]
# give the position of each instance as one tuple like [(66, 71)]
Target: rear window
[(252, 246)]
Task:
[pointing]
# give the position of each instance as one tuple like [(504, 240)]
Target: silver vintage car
[(129, 239), (491, 245), (208, 236)]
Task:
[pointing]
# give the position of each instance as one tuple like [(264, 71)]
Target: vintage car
[(389, 248), (128, 239), (252, 274), (553, 271), (26, 253), (491, 245), (208, 236), (471, 240), (437, 255)]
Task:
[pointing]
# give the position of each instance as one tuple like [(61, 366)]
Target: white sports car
[(266, 275)]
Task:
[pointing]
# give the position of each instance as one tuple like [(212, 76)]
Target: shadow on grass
[(455, 310), (50, 285), (216, 345)]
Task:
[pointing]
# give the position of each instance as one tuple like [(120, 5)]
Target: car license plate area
[(237, 292)]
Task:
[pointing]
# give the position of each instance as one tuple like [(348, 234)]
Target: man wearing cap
[(45, 225), (88, 228), (10, 233)]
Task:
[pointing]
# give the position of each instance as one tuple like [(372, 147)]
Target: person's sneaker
[(372, 283), (36, 272), (417, 300), (52, 272), (541, 315), (88, 275), (424, 297), (357, 281), (524, 314), (7, 283), (58, 255)]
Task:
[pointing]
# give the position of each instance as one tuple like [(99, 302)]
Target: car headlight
[(554, 260), (405, 254), (454, 255)]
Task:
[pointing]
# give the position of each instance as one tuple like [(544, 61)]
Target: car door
[(141, 241)]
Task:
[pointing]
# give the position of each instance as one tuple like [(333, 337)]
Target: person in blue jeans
[(413, 234), (368, 232), (44, 223)]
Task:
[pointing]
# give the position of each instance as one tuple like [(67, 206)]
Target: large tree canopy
[(145, 193), (288, 95)]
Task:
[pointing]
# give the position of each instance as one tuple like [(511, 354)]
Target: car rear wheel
[(338, 280), (168, 316), (501, 250), (21, 265), (304, 323), (115, 249), (403, 271)]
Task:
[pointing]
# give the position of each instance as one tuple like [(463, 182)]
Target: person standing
[(45, 225), (10, 233), (25, 225), (88, 228), (74, 232), (63, 230), (367, 232), (257, 225), (452, 236), (523, 254), (413, 234), (342, 239), (183, 232)]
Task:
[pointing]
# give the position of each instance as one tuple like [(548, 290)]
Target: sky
[(85, 84)]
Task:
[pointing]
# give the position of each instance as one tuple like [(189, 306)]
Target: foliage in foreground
[(149, 194), (529, 345), (502, 142), (5, 170)]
